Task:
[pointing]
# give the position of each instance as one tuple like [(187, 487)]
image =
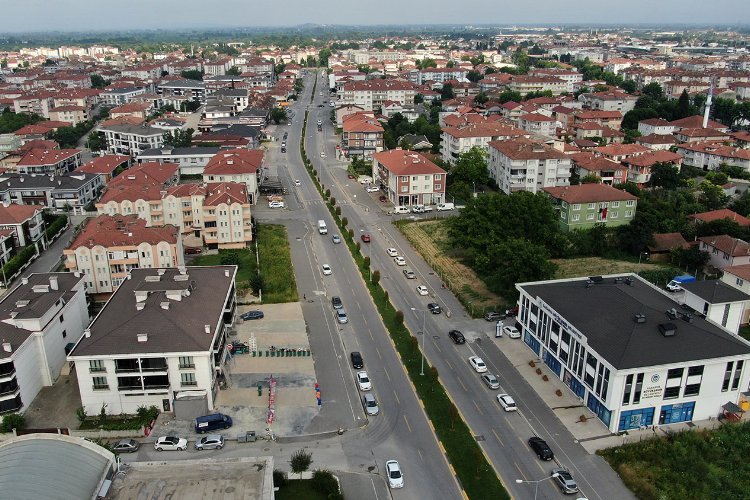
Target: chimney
[(226, 273), (7, 347), (87, 333), (207, 328), (53, 283), (25, 281), (143, 337)]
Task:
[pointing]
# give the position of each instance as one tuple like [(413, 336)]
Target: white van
[(322, 228), (445, 206), (401, 210)]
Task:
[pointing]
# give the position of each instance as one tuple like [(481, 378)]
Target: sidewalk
[(585, 426)]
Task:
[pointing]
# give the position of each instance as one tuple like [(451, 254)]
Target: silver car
[(370, 404), (210, 442), (341, 316), (491, 381)]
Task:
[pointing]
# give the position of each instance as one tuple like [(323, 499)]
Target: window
[(64, 333), (576, 217), (737, 372), (739, 282), (675, 373), (187, 379), (592, 206), (96, 366), (590, 217), (615, 204), (629, 203), (638, 388), (672, 392), (62, 318), (727, 377), (577, 206), (100, 383), (628, 213)]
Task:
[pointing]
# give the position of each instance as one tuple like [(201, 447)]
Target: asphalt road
[(401, 430), (502, 435)]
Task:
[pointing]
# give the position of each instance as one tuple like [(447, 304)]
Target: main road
[(501, 435)]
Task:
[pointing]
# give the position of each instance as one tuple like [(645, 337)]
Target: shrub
[(229, 259), (333, 202), (279, 478), (12, 421), (367, 261), (545, 378), (351, 233), (399, 318), (328, 193), (559, 393), (344, 222), (532, 364), (338, 210), (17, 262), (324, 482), (375, 277), (538, 371), (81, 414)]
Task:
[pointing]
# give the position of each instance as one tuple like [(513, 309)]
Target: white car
[(170, 443), (506, 402), (322, 154), (395, 477), (327, 270), (477, 363), (512, 332), (275, 204), (373, 189), (297, 183), (363, 381), (400, 261), (392, 252), (422, 290)]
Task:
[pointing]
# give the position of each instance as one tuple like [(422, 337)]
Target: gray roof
[(230, 93), (123, 90), (605, 312), (246, 131), (126, 128), (194, 300), (52, 466), (715, 291), (23, 302), (70, 181), (183, 84), (192, 151)]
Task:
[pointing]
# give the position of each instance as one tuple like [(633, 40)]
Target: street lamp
[(536, 483), (641, 255), (424, 315)]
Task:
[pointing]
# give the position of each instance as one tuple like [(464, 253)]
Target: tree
[(450, 64), (481, 98), (629, 86), (234, 71), (278, 115), (474, 76), (12, 421), (711, 195), (591, 179), (510, 95), (10, 121), (446, 92), (684, 108), (323, 56), (300, 462), (97, 141), (521, 59), (742, 204), (653, 90), (665, 175), (689, 258), (98, 82), (192, 74), (471, 167), (716, 177), (179, 138), (521, 260)]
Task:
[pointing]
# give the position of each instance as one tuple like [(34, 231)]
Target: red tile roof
[(650, 159), (589, 193), (723, 213), (696, 121), (39, 157), (104, 164), (402, 162), (235, 162), (524, 149), (667, 241), (17, 214), (727, 244), (122, 230)]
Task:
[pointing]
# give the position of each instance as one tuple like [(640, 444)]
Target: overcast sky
[(82, 15)]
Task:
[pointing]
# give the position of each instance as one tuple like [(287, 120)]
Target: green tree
[(323, 56), (278, 115), (684, 108), (474, 76), (471, 167), (653, 90), (665, 175), (481, 98), (711, 195), (716, 177), (192, 74), (12, 421), (629, 86), (96, 141), (10, 121), (509, 95), (591, 179), (446, 92), (741, 205), (689, 258), (300, 462), (234, 71), (178, 138), (98, 82), (514, 260), (521, 59)]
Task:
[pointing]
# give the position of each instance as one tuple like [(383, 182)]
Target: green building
[(580, 207)]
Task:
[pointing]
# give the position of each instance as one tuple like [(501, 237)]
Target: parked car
[(336, 302), (395, 476), (327, 271), (252, 315), (170, 443), (192, 250), (506, 402), (341, 316), (513, 311), (564, 480), (541, 448), (210, 442), (457, 337), (366, 238), (409, 274), (372, 189), (400, 261), (357, 362), (336, 239), (283, 150), (512, 332), (491, 381), (126, 446), (422, 290), (392, 252), (322, 154), (383, 199), (370, 404), (275, 204), (434, 308), (477, 363), (493, 316), (363, 381)]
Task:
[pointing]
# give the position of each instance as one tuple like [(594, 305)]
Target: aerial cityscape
[(428, 252)]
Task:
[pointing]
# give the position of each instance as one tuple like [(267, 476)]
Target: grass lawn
[(691, 464), (598, 266), (296, 489)]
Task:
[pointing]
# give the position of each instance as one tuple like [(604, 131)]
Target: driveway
[(56, 406)]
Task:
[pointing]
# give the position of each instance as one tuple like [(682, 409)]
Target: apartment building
[(361, 136), (25, 221), (49, 161), (537, 124), (73, 190), (608, 171), (371, 94), (725, 251), (609, 101), (525, 84), (656, 126), (192, 160), (128, 139), (583, 206), (524, 165), (616, 342), (237, 165), (38, 320), (193, 89), (639, 167), (120, 96), (106, 166), (441, 75), (109, 247), (460, 139), (710, 155), (162, 334), (71, 114), (409, 178)]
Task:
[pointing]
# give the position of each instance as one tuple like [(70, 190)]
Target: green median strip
[(474, 472)]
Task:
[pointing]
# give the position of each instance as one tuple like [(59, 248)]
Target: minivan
[(401, 210), (208, 423), (322, 228), (445, 206)]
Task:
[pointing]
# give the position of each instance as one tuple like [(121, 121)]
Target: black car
[(493, 316), (252, 315), (540, 447), (126, 446), (283, 150), (336, 303), (357, 361), (434, 308), (457, 337)]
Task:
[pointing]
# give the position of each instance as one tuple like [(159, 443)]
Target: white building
[(524, 165), (630, 352), (458, 140), (162, 334), (372, 94), (38, 319), (125, 139), (191, 160)]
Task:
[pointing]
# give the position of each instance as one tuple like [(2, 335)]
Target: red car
[(350, 176), (366, 238), (192, 251), (383, 199)]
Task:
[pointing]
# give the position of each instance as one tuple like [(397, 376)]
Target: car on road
[(493, 316), (327, 271), (564, 480), (210, 442), (357, 362), (434, 308), (192, 250), (457, 337), (322, 154), (366, 238), (297, 182), (506, 402), (336, 239), (126, 446), (283, 150), (336, 302), (541, 448), (341, 316), (275, 204), (383, 199), (252, 315), (370, 404), (170, 443), (395, 476), (512, 332), (491, 381), (409, 274), (391, 252), (363, 381), (477, 363), (400, 261), (373, 189), (422, 290)]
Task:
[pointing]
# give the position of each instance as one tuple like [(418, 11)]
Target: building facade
[(409, 178), (523, 165), (583, 206)]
